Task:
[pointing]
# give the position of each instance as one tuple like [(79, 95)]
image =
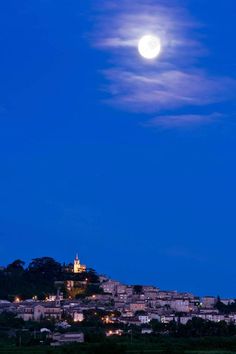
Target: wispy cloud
[(167, 89), (124, 23), (175, 79)]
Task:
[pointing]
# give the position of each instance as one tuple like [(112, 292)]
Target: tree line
[(38, 278)]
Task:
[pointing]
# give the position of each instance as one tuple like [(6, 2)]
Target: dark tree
[(16, 267), (46, 267), (138, 289)]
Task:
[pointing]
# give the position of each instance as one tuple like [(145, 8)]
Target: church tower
[(76, 264), (78, 268)]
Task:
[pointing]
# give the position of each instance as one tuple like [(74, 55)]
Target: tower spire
[(78, 268)]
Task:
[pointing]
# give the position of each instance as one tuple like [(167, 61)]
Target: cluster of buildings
[(140, 306), (124, 304)]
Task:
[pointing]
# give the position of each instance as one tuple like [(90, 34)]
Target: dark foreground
[(145, 346)]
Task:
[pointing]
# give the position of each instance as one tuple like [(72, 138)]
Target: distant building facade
[(37, 312), (67, 338)]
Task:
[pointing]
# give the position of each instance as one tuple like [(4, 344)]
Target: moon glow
[(149, 47)]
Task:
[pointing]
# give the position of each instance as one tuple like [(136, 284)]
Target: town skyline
[(77, 267), (46, 289)]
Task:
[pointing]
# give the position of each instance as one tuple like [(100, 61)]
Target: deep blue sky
[(83, 172)]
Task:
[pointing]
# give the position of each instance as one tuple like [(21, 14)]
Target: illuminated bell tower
[(78, 268), (76, 264)]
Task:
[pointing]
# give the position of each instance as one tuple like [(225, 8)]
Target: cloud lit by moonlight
[(161, 83)]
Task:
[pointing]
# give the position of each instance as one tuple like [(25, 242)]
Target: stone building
[(78, 267)]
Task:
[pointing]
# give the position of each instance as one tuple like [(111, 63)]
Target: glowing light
[(118, 332), (149, 46)]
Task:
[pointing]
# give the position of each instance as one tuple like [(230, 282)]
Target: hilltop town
[(79, 295)]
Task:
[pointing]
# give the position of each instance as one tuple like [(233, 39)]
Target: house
[(144, 319), (67, 338), (122, 297), (209, 301), (121, 289), (227, 301), (180, 305), (103, 278), (130, 320), (36, 312), (155, 316), (147, 331), (167, 319), (55, 297), (137, 306), (110, 286), (183, 319), (78, 316), (6, 306), (150, 292)]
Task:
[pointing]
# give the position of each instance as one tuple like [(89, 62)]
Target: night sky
[(131, 163)]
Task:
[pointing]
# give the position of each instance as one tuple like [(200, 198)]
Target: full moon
[(149, 47)]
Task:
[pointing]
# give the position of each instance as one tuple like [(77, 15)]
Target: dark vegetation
[(210, 345), (93, 324), (198, 336), (39, 277), (43, 275), (226, 309)]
